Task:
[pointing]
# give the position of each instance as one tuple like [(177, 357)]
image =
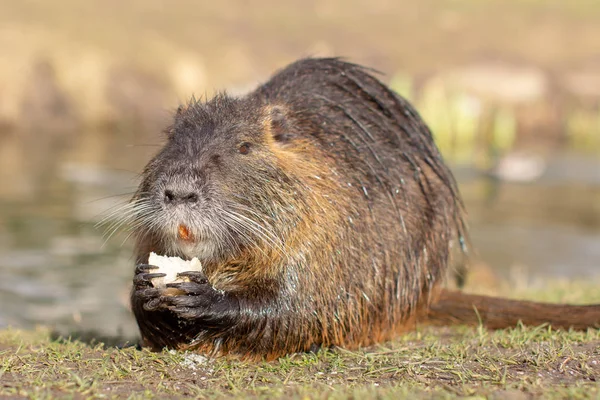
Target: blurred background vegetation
[(510, 88)]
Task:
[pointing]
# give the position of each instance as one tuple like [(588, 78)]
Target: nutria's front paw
[(195, 298), (192, 299)]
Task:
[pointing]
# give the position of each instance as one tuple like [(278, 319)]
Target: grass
[(455, 362)]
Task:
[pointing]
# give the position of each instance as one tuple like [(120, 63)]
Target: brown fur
[(346, 217)]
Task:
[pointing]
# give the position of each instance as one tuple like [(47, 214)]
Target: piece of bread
[(171, 266)]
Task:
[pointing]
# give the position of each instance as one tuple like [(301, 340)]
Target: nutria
[(321, 211)]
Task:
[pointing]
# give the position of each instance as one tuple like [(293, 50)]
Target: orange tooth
[(184, 232)]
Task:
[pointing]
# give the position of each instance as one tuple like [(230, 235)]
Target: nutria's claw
[(189, 288), (194, 276), (143, 276), (144, 280), (144, 268)]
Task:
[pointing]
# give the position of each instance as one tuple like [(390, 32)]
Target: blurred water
[(57, 269)]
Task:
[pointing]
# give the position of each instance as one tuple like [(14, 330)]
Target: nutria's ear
[(276, 124)]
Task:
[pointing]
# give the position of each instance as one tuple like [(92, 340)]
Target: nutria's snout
[(173, 197), (181, 187)]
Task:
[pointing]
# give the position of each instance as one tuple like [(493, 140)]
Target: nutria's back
[(318, 204)]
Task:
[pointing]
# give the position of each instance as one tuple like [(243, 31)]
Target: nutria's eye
[(244, 148)]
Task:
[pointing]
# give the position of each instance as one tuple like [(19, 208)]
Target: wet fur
[(357, 209)]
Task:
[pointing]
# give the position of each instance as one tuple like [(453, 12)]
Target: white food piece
[(171, 266)]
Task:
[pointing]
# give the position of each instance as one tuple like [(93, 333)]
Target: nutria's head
[(225, 182)]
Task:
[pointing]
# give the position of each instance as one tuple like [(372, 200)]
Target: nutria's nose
[(174, 197)]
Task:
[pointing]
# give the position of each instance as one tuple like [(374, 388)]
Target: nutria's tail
[(452, 307)]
